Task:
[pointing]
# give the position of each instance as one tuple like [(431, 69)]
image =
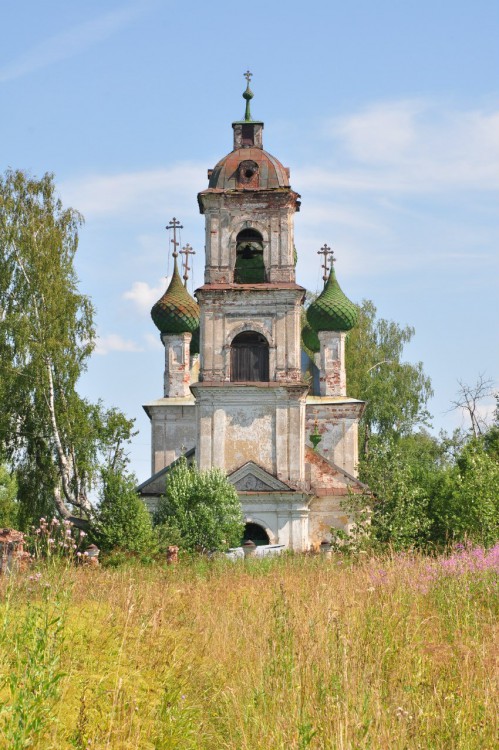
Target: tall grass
[(296, 652)]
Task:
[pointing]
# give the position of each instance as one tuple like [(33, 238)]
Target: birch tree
[(47, 334)]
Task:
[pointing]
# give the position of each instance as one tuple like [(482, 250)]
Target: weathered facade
[(250, 411)]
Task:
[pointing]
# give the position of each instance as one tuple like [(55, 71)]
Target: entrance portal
[(256, 533)]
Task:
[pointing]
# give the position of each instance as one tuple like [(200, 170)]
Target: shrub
[(203, 507), (123, 521), (467, 507)]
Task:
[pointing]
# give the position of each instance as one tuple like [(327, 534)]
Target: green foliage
[(491, 437), (168, 534), (427, 492), (123, 521), (466, 506), (396, 392), (8, 505), (399, 503), (36, 478), (203, 506), (33, 638), (46, 329), (55, 439)]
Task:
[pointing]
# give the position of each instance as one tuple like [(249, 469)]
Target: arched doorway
[(256, 533), (249, 359), (249, 268)]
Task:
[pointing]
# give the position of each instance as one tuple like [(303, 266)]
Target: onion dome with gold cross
[(176, 311), (332, 310)]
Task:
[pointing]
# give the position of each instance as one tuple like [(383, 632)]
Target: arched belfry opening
[(249, 268), (256, 533), (249, 359)]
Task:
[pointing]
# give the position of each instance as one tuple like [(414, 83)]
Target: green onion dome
[(332, 310), (176, 311), (310, 338)]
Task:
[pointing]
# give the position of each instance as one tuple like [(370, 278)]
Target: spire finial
[(248, 95)]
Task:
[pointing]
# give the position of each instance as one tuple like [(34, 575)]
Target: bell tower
[(289, 446), (250, 395)]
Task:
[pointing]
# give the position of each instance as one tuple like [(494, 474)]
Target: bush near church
[(123, 521), (200, 511)]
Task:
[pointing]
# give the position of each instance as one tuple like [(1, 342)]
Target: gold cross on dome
[(187, 250), (326, 251), (174, 225)]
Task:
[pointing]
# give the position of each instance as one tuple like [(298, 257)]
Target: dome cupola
[(176, 311), (248, 166), (332, 310)]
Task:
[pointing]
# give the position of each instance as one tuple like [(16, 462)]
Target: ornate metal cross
[(248, 76), (326, 251), (187, 250), (174, 224)]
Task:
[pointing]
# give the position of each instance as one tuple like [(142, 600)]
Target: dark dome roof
[(176, 311), (271, 173)]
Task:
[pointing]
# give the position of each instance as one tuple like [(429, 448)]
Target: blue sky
[(387, 114)]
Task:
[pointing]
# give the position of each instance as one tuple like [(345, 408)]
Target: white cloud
[(113, 342), (381, 133), (69, 43), (137, 194), (411, 147), (143, 296)]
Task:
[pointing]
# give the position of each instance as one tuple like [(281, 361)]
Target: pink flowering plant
[(55, 538), (467, 566)]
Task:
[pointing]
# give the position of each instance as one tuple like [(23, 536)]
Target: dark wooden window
[(249, 358)]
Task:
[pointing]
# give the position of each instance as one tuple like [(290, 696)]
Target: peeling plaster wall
[(326, 513), (173, 430), (252, 422), (337, 423)]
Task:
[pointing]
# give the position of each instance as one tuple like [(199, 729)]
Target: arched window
[(249, 268), (249, 359)]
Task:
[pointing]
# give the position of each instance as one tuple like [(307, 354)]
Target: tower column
[(177, 364), (332, 378)]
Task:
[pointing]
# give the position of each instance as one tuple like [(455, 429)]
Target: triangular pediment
[(252, 478)]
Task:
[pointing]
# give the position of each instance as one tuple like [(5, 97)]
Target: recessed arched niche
[(256, 533), (250, 266), (249, 360)]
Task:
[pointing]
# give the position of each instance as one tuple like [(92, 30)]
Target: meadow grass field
[(297, 652)]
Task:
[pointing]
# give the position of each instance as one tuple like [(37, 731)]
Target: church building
[(236, 393)]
